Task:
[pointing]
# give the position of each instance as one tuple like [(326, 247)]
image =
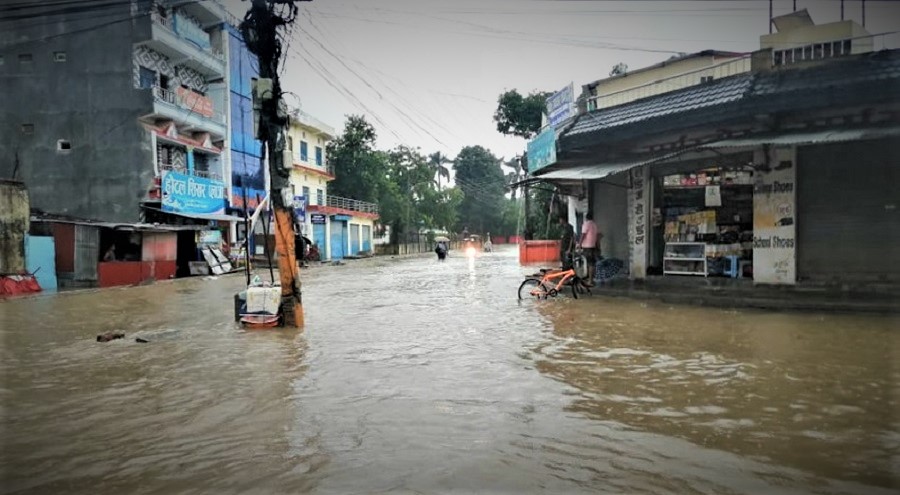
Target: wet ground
[(415, 376)]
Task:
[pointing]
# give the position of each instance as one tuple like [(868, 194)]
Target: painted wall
[(14, 225), (40, 256), (610, 206), (88, 100)]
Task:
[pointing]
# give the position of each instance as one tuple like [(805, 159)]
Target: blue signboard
[(182, 193), (300, 208), (191, 31), (318, 219), (542, 150), (561, 105)]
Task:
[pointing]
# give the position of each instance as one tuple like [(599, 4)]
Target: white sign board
[(774, 219), (638, 221), (561, 106)]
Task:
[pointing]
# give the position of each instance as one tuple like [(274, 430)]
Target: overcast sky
[(427, 73)]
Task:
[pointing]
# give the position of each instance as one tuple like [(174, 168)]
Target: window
[(304, 152), (59, 56), (319, 156), (64, 146), (320, 197), (25, 58), (291, 144), (706, 79), (147, 78), (306, 194), (27, 128)]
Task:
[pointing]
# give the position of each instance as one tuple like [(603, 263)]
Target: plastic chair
[(732, 268)]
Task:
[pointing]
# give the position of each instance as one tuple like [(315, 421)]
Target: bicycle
[(543, 288)]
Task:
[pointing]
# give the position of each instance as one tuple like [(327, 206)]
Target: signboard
[(318, 218), (194, 101), (637, 221), (209, 237), (774, 219), (191, 31), (300, 209), (561, 105), (182, 193), (542, 150)]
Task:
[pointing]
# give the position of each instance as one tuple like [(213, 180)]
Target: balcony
[(181, 51), (351, 204), (196, 173), (190, 111)]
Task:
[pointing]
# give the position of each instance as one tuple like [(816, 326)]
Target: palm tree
[(436, 161)]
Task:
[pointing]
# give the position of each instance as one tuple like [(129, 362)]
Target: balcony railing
[(173, 98), (196, 173), (351, 204), (166, 22)]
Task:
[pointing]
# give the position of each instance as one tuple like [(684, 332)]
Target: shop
[(702, 222)]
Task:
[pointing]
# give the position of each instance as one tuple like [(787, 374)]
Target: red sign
[(195, 101)]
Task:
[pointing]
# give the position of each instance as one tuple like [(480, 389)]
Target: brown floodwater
[(414, 376)]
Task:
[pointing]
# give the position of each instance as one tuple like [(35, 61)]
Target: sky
[(427, 73)]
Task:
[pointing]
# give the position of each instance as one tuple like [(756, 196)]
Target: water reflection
[(799, 390)]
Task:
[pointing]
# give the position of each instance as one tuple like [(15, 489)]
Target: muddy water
[(424, 377)]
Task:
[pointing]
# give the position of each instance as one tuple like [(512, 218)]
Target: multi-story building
[(338, 226), (126, 113)]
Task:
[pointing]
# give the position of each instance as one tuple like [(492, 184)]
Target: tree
[(437, 161), (618, 69), (518, 115), (358, 167), (479, 176)]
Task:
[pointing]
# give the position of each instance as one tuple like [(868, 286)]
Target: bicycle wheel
[(532, 290)]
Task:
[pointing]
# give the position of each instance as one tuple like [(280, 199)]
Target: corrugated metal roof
[(830, 136), (599, 171), (871, 77)]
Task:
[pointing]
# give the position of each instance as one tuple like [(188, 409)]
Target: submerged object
[(106, 337)]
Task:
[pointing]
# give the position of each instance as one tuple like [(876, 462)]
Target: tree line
[(417, 193)]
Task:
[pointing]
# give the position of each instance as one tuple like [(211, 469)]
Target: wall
[(610, 207), (89, 100), (815, 34), (848, 210), (14, 225)]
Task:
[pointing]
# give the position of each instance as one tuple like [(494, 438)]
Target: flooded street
[(414, 376)]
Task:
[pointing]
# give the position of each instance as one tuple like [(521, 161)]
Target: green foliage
[(360, 168), (479, 176), (518, 115)]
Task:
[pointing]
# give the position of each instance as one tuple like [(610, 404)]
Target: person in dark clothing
[(567, 243), (441, 251), (300, 245)]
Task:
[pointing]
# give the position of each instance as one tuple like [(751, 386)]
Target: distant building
[(338, 226)]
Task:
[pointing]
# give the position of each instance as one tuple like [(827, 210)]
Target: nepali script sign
[(561, 106), (182, 193)]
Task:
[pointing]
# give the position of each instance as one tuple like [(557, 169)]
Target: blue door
[(354, 239), (319, 238), (367, 238), (338, 239)]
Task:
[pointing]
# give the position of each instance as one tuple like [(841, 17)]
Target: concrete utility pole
[(260, 32)]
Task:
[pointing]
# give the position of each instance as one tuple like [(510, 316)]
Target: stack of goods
[(687, 227)]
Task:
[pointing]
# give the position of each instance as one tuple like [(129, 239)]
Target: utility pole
[(260, 31), (523, 161)]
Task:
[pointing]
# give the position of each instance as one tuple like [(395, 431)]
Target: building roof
[(865, 79), (667, 62)]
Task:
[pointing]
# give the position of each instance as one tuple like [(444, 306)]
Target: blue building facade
[(247, 172)]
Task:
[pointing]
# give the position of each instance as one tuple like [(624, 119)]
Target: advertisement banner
[(195, 102), (561, 106), (182, 193), (300, 209), (209, 237), (774, 224), (542, 150)]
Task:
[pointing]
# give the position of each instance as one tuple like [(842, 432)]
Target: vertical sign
[(300, 209), (637, 221), (774, 229)]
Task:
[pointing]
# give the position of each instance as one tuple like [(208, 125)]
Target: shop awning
[(601, 170), (817, 137)]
